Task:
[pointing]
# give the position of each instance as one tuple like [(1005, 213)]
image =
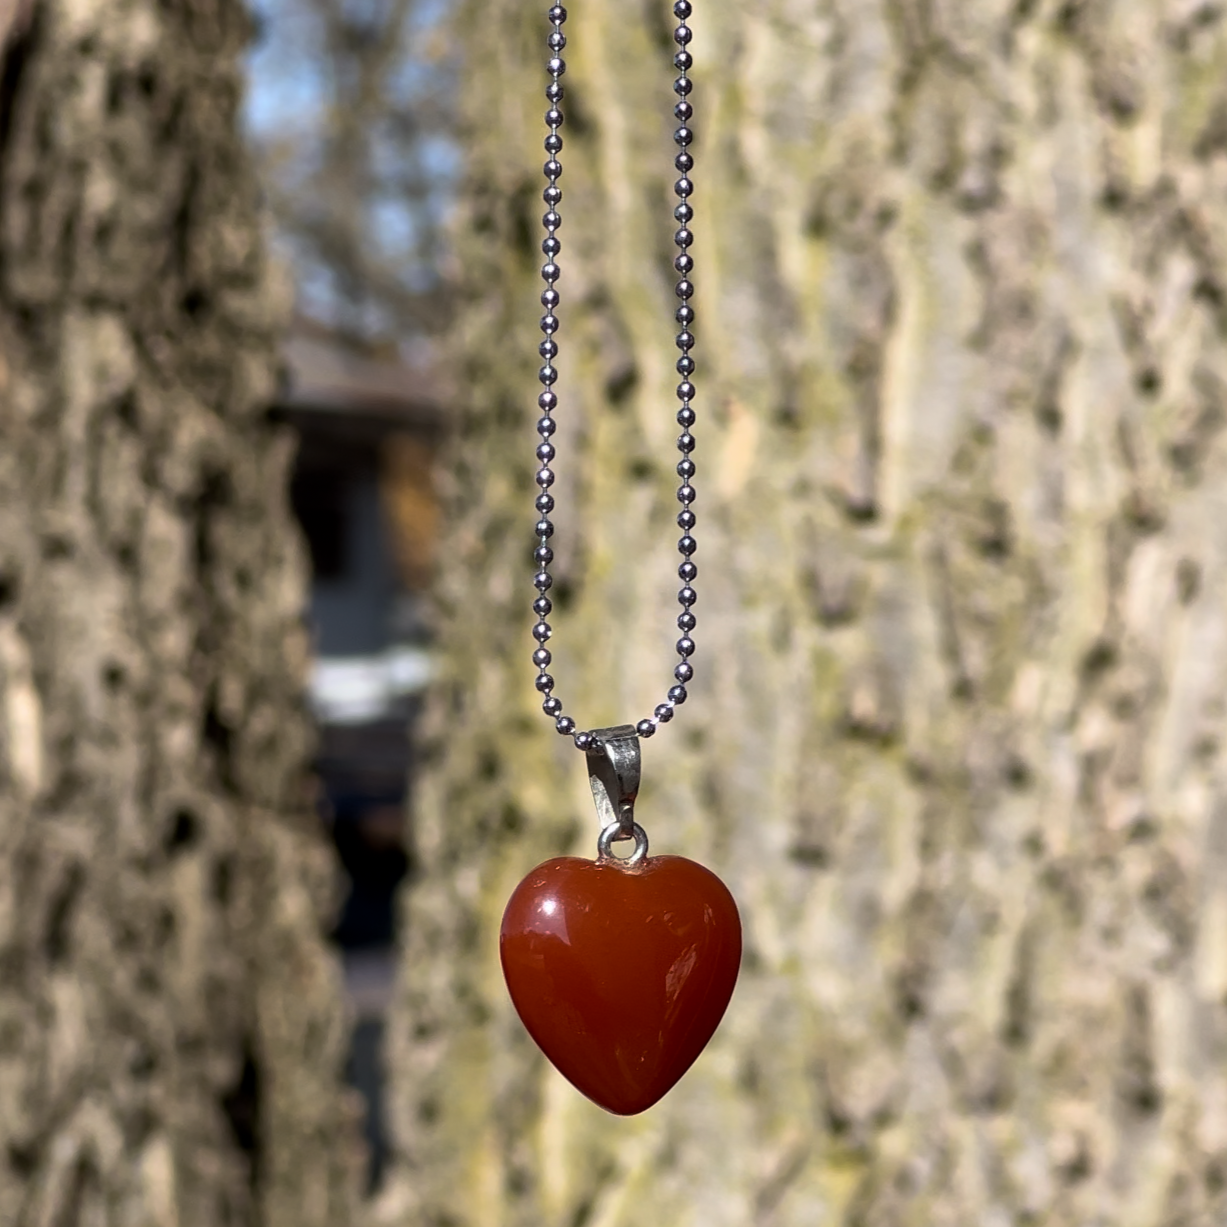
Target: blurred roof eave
[(326, 377)]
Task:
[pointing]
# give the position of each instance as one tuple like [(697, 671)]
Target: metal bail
[(613, 773)]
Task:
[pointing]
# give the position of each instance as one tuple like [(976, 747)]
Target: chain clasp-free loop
[(613, 774)]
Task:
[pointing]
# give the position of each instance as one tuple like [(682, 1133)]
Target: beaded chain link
[(547, 401)]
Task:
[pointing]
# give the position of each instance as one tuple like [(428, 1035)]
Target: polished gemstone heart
[(621, 973)]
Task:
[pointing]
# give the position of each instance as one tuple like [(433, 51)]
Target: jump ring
[(614, 831)]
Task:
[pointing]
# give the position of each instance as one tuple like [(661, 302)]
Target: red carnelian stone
[(621, 974)]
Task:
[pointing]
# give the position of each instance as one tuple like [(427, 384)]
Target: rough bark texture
[(170, 1030), (956, 737)]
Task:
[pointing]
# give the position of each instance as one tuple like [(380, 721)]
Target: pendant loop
[(612, 832), (613, 775)]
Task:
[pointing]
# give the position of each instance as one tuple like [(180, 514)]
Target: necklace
[(620, 968)]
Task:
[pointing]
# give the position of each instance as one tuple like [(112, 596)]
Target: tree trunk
[(955, 740), (170, 1030)]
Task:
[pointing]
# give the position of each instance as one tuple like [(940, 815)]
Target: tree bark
[(171, 1037), (955, 740)]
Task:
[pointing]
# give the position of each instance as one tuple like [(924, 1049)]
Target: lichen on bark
[(955, 741)]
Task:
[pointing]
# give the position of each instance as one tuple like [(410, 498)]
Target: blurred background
[(347, 110), (271, 760)]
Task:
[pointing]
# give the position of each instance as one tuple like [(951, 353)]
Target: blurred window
[(320, 501)]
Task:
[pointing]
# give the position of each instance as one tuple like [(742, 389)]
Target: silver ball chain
[(548, 400)]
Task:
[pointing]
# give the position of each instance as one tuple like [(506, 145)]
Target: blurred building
[(369, 426)]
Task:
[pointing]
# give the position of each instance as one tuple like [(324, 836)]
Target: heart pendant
[(621, 972)]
